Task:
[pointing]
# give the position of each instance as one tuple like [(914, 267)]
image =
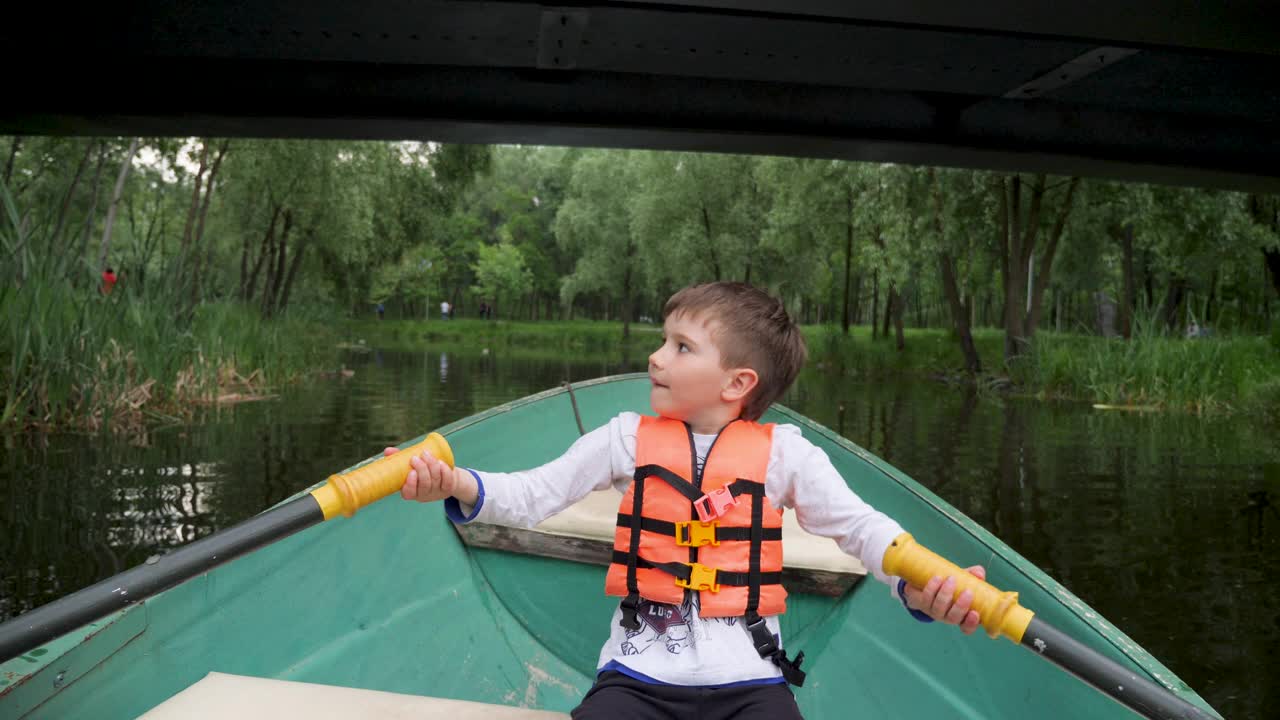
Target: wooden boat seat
[(584, 533), (219, 695)]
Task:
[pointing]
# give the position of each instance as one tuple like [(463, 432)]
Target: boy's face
[(686, 377)]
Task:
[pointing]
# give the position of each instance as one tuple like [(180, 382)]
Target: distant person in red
[(108, 281)]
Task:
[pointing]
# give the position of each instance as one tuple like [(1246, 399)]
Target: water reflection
[(1167, 525)]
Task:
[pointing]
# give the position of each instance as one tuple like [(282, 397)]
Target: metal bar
[(1124, 685), (1192, 24), (32, 629), (1070, 72)]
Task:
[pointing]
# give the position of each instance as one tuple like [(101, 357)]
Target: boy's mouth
[(655, 382)]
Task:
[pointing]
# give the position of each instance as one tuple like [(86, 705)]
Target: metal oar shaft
[(32, 629), (1125, 685), (1002, 615)]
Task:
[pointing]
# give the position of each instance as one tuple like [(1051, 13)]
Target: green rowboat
[(393, 599)]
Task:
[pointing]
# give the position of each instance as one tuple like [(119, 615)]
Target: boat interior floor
[(219, 695)]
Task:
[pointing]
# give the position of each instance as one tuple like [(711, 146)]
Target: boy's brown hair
[(753, 331)]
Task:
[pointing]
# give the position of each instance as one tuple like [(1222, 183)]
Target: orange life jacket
[(675, 549), (712, 532)]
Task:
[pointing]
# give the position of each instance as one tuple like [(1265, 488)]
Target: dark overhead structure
[(1174, 91)]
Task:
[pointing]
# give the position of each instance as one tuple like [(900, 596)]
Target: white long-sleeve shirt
[(674, 644)]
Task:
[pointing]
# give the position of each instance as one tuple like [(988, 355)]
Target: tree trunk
[(856, 314), (1213, 295), (1272, 270), (115, 203), (875, 303), (1019, 247), (848, 259), (899, 309), (94, 185), (1128, 293), (1172, 301), (1045, 272), (155, 230), (1273, 265), (249, 286), (208, 191), (65, 211), (890, 300), (293, 271), (626, 292), (1003, 191), (14, 146), (1148, 279), (1266, 211), (194, 207), (197, 238), (275, 271), (960, 309), (711, 248)]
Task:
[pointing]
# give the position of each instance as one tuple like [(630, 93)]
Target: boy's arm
[(524, 499), (802, 477), (825, 505)]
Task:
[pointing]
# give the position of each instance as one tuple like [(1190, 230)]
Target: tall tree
[(594, 223), (1020, 232), (125, 164)]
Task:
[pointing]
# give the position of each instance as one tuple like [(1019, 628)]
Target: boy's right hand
[(430, 480)]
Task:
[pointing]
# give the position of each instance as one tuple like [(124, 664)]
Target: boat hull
[(393, 600)]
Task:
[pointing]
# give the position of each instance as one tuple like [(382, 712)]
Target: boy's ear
[(740, 384)]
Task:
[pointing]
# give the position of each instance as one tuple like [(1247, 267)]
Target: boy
[(714, 650)]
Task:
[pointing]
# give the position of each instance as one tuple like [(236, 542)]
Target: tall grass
[(1202, 375), (74, 358)]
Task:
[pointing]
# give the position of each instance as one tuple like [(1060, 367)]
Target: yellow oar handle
[(345, 493), (999, 611)]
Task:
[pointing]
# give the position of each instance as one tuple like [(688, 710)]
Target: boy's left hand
[(939, 601)]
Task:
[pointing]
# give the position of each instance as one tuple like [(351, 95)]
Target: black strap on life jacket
[(631, 603), (765, 642), (663, 527), (767, 645), (684, 571)]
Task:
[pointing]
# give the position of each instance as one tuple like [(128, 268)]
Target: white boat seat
[(584, 532), (219, 695)]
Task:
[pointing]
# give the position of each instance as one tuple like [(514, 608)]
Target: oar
[(1002, 615), (343, 494)]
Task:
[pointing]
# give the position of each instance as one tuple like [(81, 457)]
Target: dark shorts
[(618, 697)]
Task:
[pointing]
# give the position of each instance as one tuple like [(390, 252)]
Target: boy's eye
[(684, 348)]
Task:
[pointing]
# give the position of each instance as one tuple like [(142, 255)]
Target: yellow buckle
[(692, 533), (701, 577)]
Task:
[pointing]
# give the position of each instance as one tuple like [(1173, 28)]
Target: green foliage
[(336, 227), (594, 224), (500, 273), (73, 357)]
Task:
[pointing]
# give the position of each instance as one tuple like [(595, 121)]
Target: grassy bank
[(1203, 376), (1223, 374), (74, 359)]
